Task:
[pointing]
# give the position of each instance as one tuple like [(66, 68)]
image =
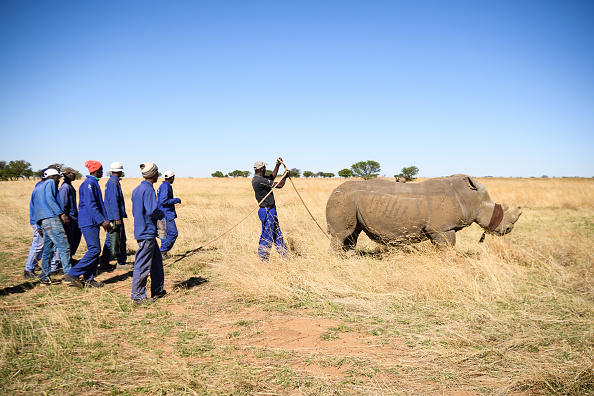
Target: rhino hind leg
[(345, 242), (443, 239)]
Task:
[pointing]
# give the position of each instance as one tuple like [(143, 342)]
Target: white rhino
[(397, 213)]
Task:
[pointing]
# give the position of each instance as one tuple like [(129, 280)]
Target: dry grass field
[(511, 316)]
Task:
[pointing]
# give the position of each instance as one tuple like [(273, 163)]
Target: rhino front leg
[(342, 242), (443, 239)]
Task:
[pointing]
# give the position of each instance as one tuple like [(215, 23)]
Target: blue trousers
[(147, 261), (170, 236), (106, 255), (54, 237), (87, 266), (36, 252), (271, 234), (73, 233)]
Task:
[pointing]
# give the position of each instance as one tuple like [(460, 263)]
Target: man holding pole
[(271, 232)]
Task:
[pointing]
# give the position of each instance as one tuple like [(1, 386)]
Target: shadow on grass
[(118, 278), (190, 283), (23, 287)]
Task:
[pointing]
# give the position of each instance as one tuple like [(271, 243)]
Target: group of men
[(58, 224)]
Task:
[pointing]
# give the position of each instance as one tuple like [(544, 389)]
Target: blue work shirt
[(47, 202), (114, 199), (68, 197), (145, 211), (166, 200), (36, 189), (91, 211)]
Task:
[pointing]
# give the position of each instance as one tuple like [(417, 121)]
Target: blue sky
[(501, 88)]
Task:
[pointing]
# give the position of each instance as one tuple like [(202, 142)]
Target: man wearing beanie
[(148, 258), (167, 205), (91, 216), (116, 213)]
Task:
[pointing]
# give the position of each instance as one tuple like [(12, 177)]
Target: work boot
[(30, 275), (143, 301), (45, 282), (164, 255), (93, 283), (159, 295), (74, 281)]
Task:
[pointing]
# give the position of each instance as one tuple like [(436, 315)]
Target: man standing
[(68, 198), (116, 213), (271, 232), (37, 244), (148, 259), (167, 206), (91, 216), (49, 214)]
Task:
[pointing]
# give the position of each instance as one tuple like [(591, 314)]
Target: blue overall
[(115, 210), (167, 206), (68, 197), (36, 250), (91, 213), (271, 233), (148, 260)]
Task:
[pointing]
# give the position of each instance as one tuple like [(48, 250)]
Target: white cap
[(51, 172), (168, 174), (117, 167), (259, 164)]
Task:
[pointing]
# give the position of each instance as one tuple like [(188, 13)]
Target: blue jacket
[(166, 200), (47, 202), (32, 203), (68, 197), (91, 211), (145, 211), (114, 199)]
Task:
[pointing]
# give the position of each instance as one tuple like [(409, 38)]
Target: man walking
[(49, 214), (148, 258), (68, 198), (91, 216), (115, 240), (271, 232), (167, 206)]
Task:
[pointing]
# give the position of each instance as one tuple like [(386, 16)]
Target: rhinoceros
[(398, 213)]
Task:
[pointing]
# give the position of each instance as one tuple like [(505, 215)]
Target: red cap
[(92, 166)]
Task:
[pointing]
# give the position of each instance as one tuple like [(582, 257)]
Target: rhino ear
[(471, 183)]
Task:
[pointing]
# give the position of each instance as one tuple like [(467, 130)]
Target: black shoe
[(164, 255), (59, 271), (74, 281), (93, 283), (143, 301), (30, 275), (46, 282), (159, 295)]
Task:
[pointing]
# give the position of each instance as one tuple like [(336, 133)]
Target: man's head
[(150, 172), (169, 176), (69, 174), (95, 168), (52, 174), (259, 168), (117, 169)]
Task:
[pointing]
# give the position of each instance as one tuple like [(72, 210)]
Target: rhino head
[(498, 219)]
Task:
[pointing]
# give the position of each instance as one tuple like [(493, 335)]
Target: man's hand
[(118, 222), (106, 225), (65, 219), (279, 161), (179, 200), (40, 231)]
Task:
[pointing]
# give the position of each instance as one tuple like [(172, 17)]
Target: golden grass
[(512, 315)]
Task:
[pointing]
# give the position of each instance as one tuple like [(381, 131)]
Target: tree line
[(21, 169), (364, 169)]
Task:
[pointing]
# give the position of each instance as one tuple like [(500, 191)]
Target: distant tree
[(295, 172), (236, 173), (346, 173), (366, 169), (160, 174), (308, 174), (408, 173), (2, 164), (330, 174), (217, 174), (17, 169), (320, 174), (246, 174), (268, 172)]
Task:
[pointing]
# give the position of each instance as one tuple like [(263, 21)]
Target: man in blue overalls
[(148, 258), (271, 232), (91, 217), (68, 197), (116, 213), (167, 205)]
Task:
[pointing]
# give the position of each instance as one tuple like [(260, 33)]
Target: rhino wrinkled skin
[(404, 213)]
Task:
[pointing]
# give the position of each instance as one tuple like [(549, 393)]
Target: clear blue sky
[(500, 88)]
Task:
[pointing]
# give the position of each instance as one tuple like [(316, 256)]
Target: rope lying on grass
[(183, 256)]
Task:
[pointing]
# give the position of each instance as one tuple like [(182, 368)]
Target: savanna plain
[(511, 316)]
